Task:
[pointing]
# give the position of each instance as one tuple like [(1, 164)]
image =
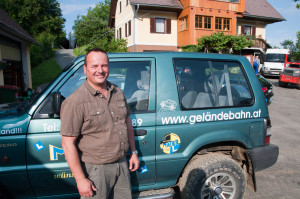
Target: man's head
[(96, 67)]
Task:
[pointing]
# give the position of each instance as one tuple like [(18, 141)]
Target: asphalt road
[(64, 57), (282, 180)]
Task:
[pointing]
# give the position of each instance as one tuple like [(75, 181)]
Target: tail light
[(264, 89), (267, 130)]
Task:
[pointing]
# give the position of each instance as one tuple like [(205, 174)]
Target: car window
[(207, 84), (133, 77)]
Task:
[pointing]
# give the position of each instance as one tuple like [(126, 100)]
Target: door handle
[(140, 132)]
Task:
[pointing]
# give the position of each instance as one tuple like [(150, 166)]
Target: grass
[(45, 72), (76, 51)]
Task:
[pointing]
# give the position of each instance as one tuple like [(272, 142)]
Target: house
[(258, 14), (147, 25), (167, 25), (204, 17), (15, 68)]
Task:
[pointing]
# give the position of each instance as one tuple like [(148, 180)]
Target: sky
[(275, 33)]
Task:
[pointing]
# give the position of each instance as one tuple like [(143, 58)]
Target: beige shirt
[(98, 122)]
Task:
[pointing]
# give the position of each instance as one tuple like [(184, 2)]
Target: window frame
[(128, 28), (205, 22), (184, 23), (211, 63), (167, 25), (222, 24)]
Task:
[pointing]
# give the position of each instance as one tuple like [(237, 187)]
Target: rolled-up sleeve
[(71, 117)]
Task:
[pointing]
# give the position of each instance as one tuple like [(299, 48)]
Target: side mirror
[(57, 101)]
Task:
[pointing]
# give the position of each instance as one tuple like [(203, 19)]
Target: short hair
[(94, 50)]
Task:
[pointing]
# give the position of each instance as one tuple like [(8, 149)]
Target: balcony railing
[(260, 43)]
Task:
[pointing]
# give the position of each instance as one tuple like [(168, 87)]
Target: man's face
[(96, 68)]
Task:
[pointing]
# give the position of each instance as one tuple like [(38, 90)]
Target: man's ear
[(84, 68)]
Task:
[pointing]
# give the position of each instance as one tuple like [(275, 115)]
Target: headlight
[(266, 68)]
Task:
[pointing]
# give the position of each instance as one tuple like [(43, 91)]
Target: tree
[(294, 47), (221, 43), (92, 30), (36, 16), (40, 18)]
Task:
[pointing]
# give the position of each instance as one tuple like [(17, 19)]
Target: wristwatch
[(134, 152)]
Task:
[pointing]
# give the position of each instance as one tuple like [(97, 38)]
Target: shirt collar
[(93, 91)]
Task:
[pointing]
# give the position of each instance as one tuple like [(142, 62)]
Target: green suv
[(201, 124)]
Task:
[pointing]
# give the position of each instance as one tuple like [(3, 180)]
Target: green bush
[(45, 51)]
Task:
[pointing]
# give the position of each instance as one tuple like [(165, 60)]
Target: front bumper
[(264, 157), (271, 73)]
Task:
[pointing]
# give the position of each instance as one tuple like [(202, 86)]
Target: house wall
[(210, 8), (121, 18), (144, 37), (260, 27), (141, 39)]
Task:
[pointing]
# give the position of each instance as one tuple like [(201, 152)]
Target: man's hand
[(134, 162), (86, 188)]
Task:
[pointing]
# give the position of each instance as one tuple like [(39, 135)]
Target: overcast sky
[(275, 33)]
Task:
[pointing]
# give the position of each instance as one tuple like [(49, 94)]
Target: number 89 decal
[(136, 122)]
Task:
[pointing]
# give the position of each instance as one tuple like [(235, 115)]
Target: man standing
[(97, 132)]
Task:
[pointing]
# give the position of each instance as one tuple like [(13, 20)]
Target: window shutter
[(129, 26), (152, 25), (253, 30), (126, 24), (242, 30), (168, 26)]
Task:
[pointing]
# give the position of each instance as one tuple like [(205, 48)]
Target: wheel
[(212, 176), (282, 84)]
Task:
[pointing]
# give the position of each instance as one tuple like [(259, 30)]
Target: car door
[(49, 172), (136, 77)]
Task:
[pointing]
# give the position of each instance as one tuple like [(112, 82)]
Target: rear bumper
[(264, 157)]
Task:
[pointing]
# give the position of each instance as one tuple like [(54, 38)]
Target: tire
[(282, 84), (212, 176)]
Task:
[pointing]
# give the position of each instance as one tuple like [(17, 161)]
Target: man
[(256, 64), (97, 132)]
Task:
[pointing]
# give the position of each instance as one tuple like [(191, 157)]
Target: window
[(248, 30), (226, 24), (160, 25), (218, 25), (206, 84), (127, 2), (184, 23), (222, 24), (133, 77), (203, 22), (119, 33), (128, 29), (198, 22), (120, 4)]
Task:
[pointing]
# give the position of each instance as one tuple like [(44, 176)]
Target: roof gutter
[(156, 5), (136, 9), (265, 18)]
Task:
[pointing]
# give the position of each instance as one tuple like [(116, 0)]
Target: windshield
[(276, 58)]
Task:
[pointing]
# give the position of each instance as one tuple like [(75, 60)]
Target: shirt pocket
[(97, 119), (121, 109)]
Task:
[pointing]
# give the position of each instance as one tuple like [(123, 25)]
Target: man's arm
[(84, 185), (134, 161)]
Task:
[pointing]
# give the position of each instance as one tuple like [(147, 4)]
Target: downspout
[(137, 7)]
